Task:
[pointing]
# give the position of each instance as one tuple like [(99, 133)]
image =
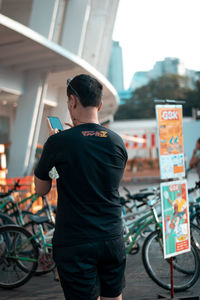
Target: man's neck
[(79, 122), (88, 115)]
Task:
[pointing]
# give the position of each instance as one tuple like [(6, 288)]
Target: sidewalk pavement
[(138, 286)]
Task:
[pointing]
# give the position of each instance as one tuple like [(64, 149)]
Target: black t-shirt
[(90, 160)]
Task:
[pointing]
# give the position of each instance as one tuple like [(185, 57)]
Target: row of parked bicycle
[(25, 239), (143, 227), (26, 249)]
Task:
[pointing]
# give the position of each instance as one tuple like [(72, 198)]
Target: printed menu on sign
[(170, 130), (175, 218)]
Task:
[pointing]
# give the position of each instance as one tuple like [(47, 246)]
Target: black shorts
[(90, 270)]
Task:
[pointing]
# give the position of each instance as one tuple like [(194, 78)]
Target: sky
[(150, 30)]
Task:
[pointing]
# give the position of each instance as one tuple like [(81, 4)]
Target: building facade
[(169, 65), (42, 43), (115, 73)]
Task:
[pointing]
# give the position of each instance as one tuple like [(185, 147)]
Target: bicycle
[(186, 266), (135, 208), (18, 256), (129, 201), (135, 228), (4, 219), (21, 253), (9, 206), (32, 223)]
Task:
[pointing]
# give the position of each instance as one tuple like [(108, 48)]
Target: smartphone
[(55, 123)]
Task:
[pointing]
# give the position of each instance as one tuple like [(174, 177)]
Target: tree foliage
[(141, 105)]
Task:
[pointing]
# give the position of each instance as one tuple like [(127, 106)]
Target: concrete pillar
[(27, 125), (98, 38), (75, 25), (105, 46), (61, 109), (44, 17), (11, 81)]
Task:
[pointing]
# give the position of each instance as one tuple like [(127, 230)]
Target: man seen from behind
[(90, 159)]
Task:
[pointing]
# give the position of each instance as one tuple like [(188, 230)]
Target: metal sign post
[(174, 197), (172, 277)]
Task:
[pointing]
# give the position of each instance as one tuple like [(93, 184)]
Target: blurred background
[(139, 50)]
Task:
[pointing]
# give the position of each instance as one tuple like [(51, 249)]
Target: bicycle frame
[(139, 226), (32, 197), (44, 237), (38, 236), (44, 200), (14, 206)]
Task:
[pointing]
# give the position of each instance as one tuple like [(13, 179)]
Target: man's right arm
[(42, 187)]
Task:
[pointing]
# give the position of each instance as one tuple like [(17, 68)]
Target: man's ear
[(73, 101), (100, 105)]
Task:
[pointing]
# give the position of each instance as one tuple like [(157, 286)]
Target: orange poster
[(170, 130)]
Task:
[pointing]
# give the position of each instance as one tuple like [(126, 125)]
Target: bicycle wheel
[(195, 239), (18, 256), (186, 265)]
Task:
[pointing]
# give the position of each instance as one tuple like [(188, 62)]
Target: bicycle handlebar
[(16, 185), (124, 201)]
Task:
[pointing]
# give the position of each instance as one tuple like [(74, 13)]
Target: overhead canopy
[(22, 49)]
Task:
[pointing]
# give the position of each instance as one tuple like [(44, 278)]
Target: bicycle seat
[(38, 219)]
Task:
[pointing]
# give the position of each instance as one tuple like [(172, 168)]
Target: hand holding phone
[(54, 125)]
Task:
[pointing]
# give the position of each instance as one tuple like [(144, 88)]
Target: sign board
[(170, 131), (175, 217)]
